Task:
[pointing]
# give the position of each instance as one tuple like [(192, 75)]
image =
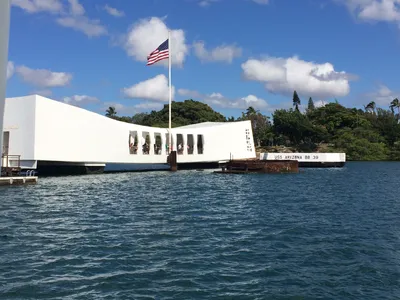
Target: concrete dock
[(18, 180)]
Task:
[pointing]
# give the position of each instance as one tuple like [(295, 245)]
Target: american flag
[(160, 53)]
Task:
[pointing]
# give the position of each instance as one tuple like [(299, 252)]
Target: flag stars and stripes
[(162, 52)]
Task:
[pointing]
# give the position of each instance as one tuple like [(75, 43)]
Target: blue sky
[(228, 53)]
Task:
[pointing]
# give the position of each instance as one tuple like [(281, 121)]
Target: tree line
[(371, 133)]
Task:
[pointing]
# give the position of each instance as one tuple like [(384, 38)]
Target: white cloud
[(190, 93), (36, 6), (113, 11), (224, 53), (80, 100), (147, 34), (145, 106), (77, 20), (76, 8), (120, 109), (83, 24), (10, 69), (155, 89), (219, 100), (320, 103), (130, 110), (43, 78), (382, 96), (254, 101), (374, 10), (74, 17), (284, 75)]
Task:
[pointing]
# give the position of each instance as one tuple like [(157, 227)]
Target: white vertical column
[(4, 34), (151, 143), (184, 142), (163, 143), (195, 144), (139, 143)]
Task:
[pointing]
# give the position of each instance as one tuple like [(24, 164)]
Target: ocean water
[(320, 234)]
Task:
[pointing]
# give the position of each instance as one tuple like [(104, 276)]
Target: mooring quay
[(309, 160), (279, 163), (18, 180)]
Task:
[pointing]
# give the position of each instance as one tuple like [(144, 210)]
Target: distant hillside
[(370, 134)]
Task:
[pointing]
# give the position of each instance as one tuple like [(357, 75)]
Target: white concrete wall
[(67, 133), (4, 33), (19, 120), (221, 142), (305, 157)]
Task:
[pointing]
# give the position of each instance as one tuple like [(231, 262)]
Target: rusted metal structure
[(172, 161), (259, 166)]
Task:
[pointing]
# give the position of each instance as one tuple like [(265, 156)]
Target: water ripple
[(320, 234)]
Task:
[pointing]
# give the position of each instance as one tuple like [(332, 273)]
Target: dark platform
[(46, 168), (332, 164), (203, 165)]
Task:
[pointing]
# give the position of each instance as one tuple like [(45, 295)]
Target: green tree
[(395, 151), (395, 104), (358, 147), (334, 116), (111, 112), (260, 125), (296, 101), (298, 129), (124, 119), (311, 105), (386, 126), (370, 107), (251, 111), (139, 118)]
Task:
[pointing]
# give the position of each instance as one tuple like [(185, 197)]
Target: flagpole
[(170, 88)]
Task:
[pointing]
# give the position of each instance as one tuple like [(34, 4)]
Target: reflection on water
[(323, 233)]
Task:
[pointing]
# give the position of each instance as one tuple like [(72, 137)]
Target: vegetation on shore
[(369, 134)]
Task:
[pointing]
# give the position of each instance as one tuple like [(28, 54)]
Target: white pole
[(170, 88), (4, 34)]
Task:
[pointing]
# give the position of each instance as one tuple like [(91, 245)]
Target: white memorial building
[(52, 137)]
